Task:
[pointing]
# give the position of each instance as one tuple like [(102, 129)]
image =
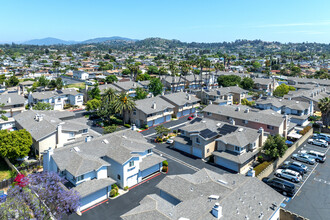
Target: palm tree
[(324, 105), (107, 104), (174, 70), (122, 104), (184, 67), (134, 68)]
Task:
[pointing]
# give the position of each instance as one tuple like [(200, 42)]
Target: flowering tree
[(43, 197)]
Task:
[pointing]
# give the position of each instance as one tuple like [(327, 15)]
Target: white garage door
[(197, 152), (150, 171), (182, 147), (226, 163), (93, 199), (132, 180)]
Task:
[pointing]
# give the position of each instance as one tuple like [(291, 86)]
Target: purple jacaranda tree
[(43, 197)]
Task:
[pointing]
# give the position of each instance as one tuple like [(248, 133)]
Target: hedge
[(305, 130), (261, 167)]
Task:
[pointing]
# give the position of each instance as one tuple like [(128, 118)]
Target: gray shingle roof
[(292, 104), (74, 125), (181, 98), (241, 137), (105, 87), (88, 187), (150, 161), (127, 85), (11, 99), (145, 105), (240, 196), (230, 111), (55, 93), (240, 159), (37, 129)]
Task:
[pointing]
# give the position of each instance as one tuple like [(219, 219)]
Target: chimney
[(210, 102), (60, 139), (153, 105), (88, 138), (46, 159), (217, 211), (247, 110), (38, 118), (232, 121), (188, 97), (9, 100), (261, 138)]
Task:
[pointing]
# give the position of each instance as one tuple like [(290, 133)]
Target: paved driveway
[(113, 209)]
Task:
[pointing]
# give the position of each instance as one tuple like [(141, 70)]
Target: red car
[(191, 117)]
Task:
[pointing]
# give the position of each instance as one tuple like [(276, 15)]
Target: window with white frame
[(71, 135), (131, 163), (85, 131), (237, 148), (197, 140), (149, 151), (79, 178), (134, 112), (209, 113), (270, 127)]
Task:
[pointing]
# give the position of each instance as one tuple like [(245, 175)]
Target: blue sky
[(193, 20)]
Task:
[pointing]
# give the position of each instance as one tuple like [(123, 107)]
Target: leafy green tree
[(2, 78), (155, 86), (52, 84), (106, 109), (110, 129), (162, 71), (324, 105), (95, 93), (59, 83), (140, 93), (111, 79), (42, 106), (15, 144), (161, 129), (247, 83), (126, 72), (282, 90), (123, 104), (43, 81), (275, 146), (93, 104), (143, 77), (247, 102), (228, 80), (256, 65), (152, 70), (295, 71), (12, 81)]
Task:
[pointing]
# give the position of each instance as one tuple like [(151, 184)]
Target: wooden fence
[(6, 183), (268, 170)]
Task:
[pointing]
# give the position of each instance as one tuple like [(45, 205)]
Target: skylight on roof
[(105, 141), (76, 149)]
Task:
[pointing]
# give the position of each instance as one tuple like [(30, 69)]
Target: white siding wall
[(102, 173)]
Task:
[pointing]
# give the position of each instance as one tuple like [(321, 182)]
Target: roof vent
[(105, 141), (240, 129), (247, 110), (217, 211), (218, 125), (88, 138), (237, 109), (153, 105), (215, 197), (297, 102)]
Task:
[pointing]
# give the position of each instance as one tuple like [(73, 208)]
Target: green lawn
[(4, 170), (76, 85)]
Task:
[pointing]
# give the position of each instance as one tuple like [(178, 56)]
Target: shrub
[(127, 125), (3, 117), (165, 163), (159, 139), (261, 167), (260, 158), (175, 131), (305, 130), (165, 169), (66, 106), (113, 193), (145, 126), (110, 129), (126, 188), (116, 120), (165, 139), (165, 134)]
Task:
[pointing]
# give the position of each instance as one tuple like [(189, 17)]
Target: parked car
[(303, 158), (281, 186), (191, 117), (291, 175), (296, 164), (318, 142), (318, 156), (322, 136), (300, 170), (169, 141)]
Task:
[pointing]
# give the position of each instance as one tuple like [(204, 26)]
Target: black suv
[(301, 171), (281, 186)]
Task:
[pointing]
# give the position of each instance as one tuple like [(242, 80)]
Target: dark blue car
[(301, 171)]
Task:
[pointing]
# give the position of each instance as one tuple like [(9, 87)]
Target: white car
[(318, 142), (169, 141), (317, 156), (291, 175)]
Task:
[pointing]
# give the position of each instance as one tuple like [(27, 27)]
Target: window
[(197, 140), (270, 127), (209, 113), (71, 134), (237, 149), (134, 112), (149, 151), (131, 163), (118, 177), (245, 121), (166, 110), (79, 178), (208, 150), (85, 131)]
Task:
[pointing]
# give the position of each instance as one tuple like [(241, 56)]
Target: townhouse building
[(124, 158), (12, 104)]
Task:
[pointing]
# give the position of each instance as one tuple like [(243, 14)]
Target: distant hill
[(56, 41), (49, 41), (105, 39)]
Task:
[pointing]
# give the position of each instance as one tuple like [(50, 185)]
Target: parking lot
[(310, 199)]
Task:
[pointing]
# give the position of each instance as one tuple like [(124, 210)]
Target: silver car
[(291, 175), (318, 142), (303, 158)]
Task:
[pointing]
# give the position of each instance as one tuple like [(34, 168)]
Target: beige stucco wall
[(46, 143)]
